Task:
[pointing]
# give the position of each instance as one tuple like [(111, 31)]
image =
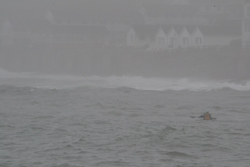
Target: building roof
[(179, 28), (143, 31), (190, 28), (150, 30), (168, 28)]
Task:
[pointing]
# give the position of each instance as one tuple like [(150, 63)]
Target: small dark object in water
[(205, 116)]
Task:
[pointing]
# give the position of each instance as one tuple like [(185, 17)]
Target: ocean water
[(127, 121)]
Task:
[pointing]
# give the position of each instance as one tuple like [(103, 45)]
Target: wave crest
[(127, 83)]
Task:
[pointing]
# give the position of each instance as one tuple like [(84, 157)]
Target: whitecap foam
[(163, 84), (135, 82), (7, 74)]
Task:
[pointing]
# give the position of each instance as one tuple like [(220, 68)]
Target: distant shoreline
[(225, 63)]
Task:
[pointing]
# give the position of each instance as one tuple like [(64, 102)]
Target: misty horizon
[(110, 37), (115, 83)]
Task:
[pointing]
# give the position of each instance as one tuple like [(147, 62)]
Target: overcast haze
[(115, 83), (14, 7), (94, 37)]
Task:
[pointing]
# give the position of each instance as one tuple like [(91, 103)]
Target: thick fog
[(150, 38)]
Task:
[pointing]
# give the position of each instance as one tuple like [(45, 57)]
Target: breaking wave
[(134, 82), (7, 74)]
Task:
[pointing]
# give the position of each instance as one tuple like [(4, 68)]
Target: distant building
[(246, 25), (197, 38), (172, 39), (161, 39), (176, 36), (184, 38), (141, 36), (164, 37)]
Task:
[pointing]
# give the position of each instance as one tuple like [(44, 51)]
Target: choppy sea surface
[(128, 121)]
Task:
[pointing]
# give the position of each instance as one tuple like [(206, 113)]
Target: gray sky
[(14, 7)]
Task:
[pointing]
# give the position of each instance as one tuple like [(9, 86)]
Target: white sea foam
[(162, 84), (140, 83), (136, 82), (7, 74)]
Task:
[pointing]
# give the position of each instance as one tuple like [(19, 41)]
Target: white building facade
[(197, 38), (161, 40), (184, 38), (173, 39)]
